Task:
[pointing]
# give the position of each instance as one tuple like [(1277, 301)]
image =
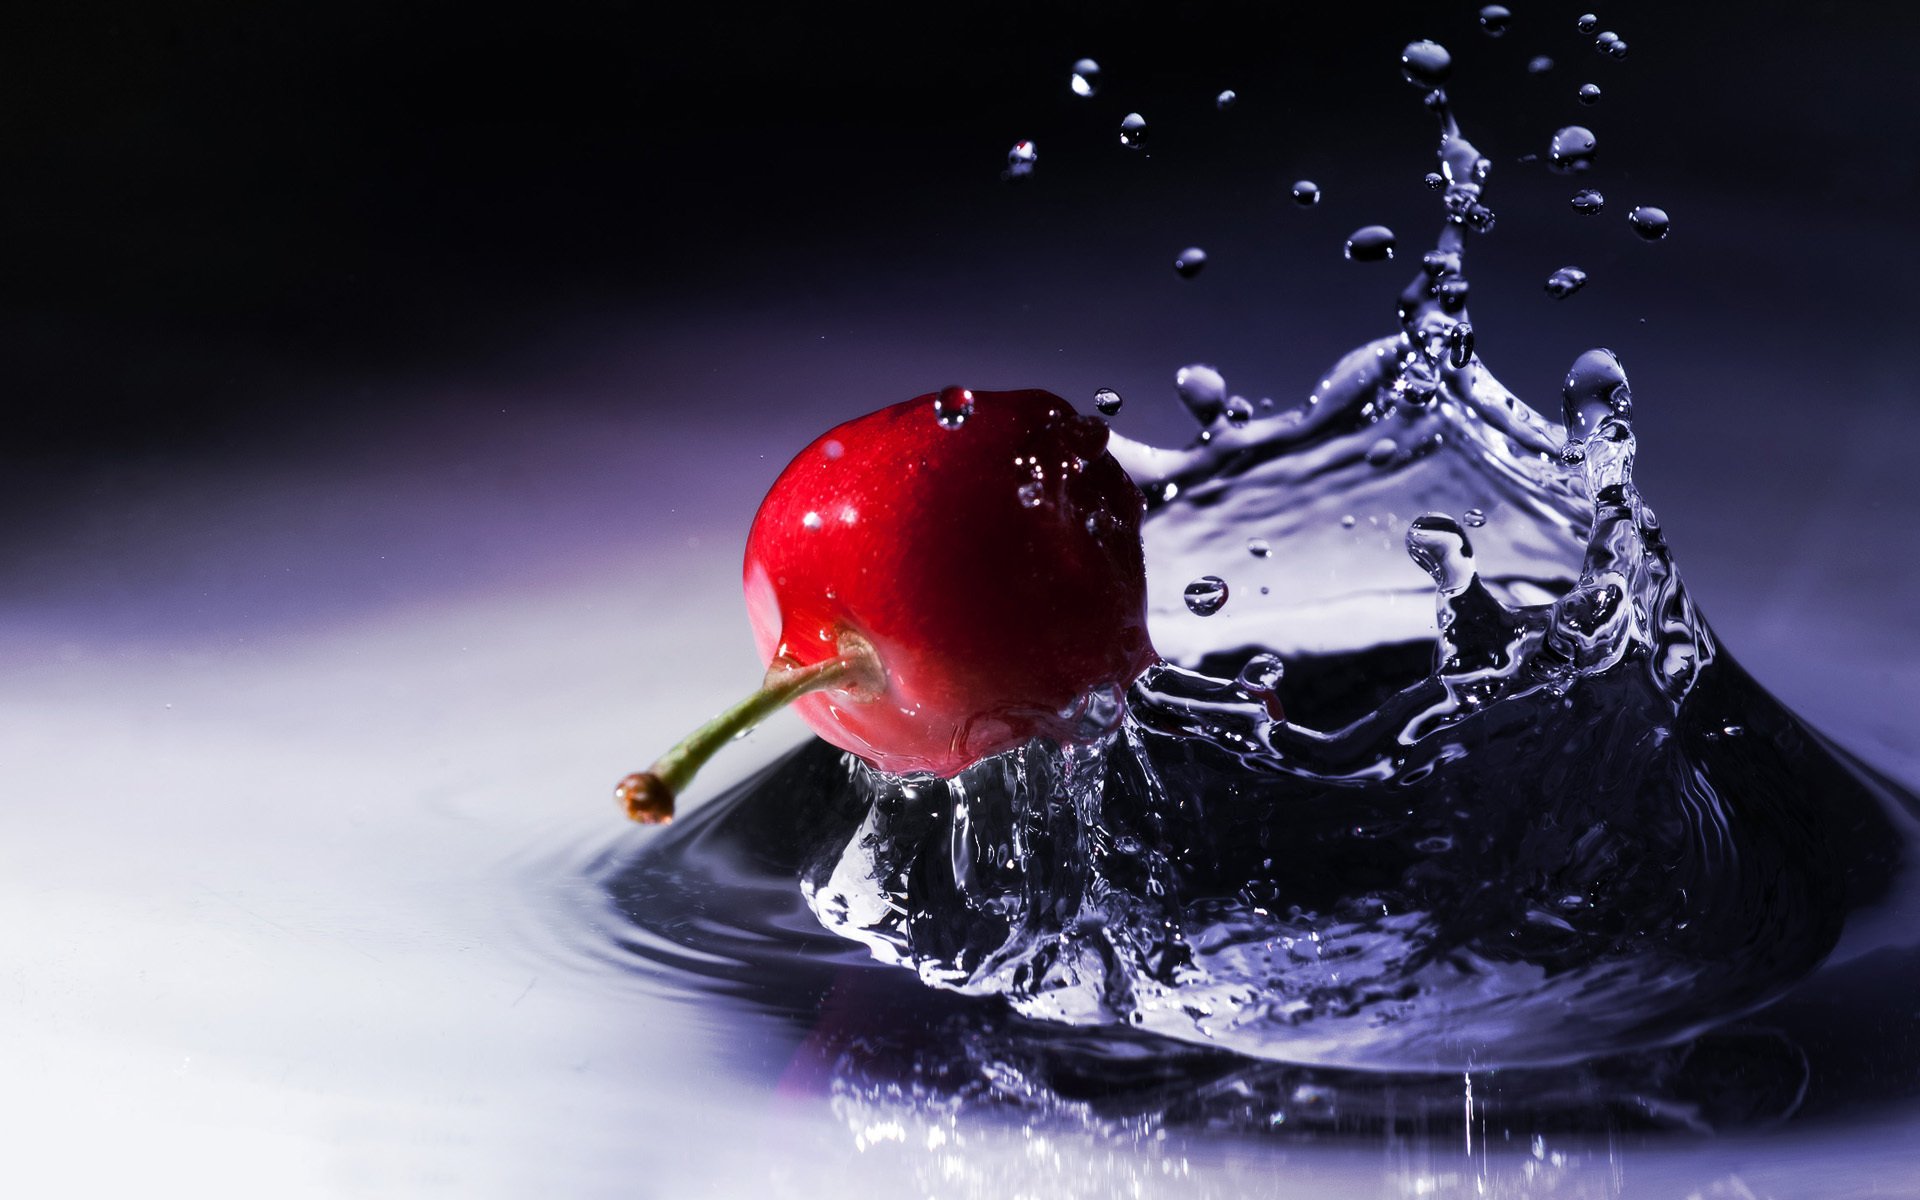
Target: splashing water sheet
[(1452, 824)]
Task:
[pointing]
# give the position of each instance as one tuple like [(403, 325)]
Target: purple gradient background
[(389, 390)]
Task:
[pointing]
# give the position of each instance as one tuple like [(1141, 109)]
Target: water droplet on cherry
[(952, 406), (1206, 595)]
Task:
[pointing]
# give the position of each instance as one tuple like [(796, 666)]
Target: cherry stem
[(648, 795)]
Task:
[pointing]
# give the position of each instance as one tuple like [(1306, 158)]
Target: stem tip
[(646, 797)]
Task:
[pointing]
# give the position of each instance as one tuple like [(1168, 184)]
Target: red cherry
[(937, 582)]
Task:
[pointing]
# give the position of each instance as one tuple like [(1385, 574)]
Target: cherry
[(934, 583)]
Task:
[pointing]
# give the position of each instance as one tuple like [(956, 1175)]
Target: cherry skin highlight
[(983, 547)]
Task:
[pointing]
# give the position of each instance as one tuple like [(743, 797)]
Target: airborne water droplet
[(1086, 77), (1572, 149), (1587, 202), (1382, 452), (952, 407), (1603, 43), (1108, 402), (1539, 64), (1565, 282), (1649, 222), (1306, 193), (1587, 23), (1494, 18), (1190, 262), (1589, 93), (1259, 547), (1371, 243), (1474, 518), (1426, 64), (1206, 595), (1133, 130), (1224, 100), (1618, 48), (1203, 390), (1020, 159), (1239, 411), (1434, 180)]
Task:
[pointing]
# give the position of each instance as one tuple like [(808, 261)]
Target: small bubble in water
[(1031, 493), (1587, 202), (1108, 402), (1133, 130), (1474, 518), (1495, 18), (1203, 390), (1589, 93), (1306, 193), (1206, 595), (1259, 547), (1587, 23), (1262, 673), (1426, 64), (1370, 243), (1239, 411), (1572, 149), (1649, 222), (952, 407), (1539, 64), (1434, 180), (1190, 262), (1086, 77), (1224, 100), (1020, 159), (1565, 282)]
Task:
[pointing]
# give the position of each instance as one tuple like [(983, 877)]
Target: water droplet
[(1603, 43), (1206, 595), (1565, 282), (1460, 344), (1262, 673), (1239, 411), (832, 449), (1618, 48), (1259, 547), (1587, 23), (1452, 292), (1589, 93), (1086, 77), (1383, 452), (1539, 64), (1474, 518), (1587, 202), (1348, 521), (1133, 130), (952, 407), (1020, 159), (1595, 389), (1371, 243), (1031, 493), (1224, 100), (1426, 64), (811, 520), (1306, 193), (1649, 222), (1190, 262), (1108, 402), (1437, 543), (1572, 149), (1434, 180), (1203, 390), (1495, 18)]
